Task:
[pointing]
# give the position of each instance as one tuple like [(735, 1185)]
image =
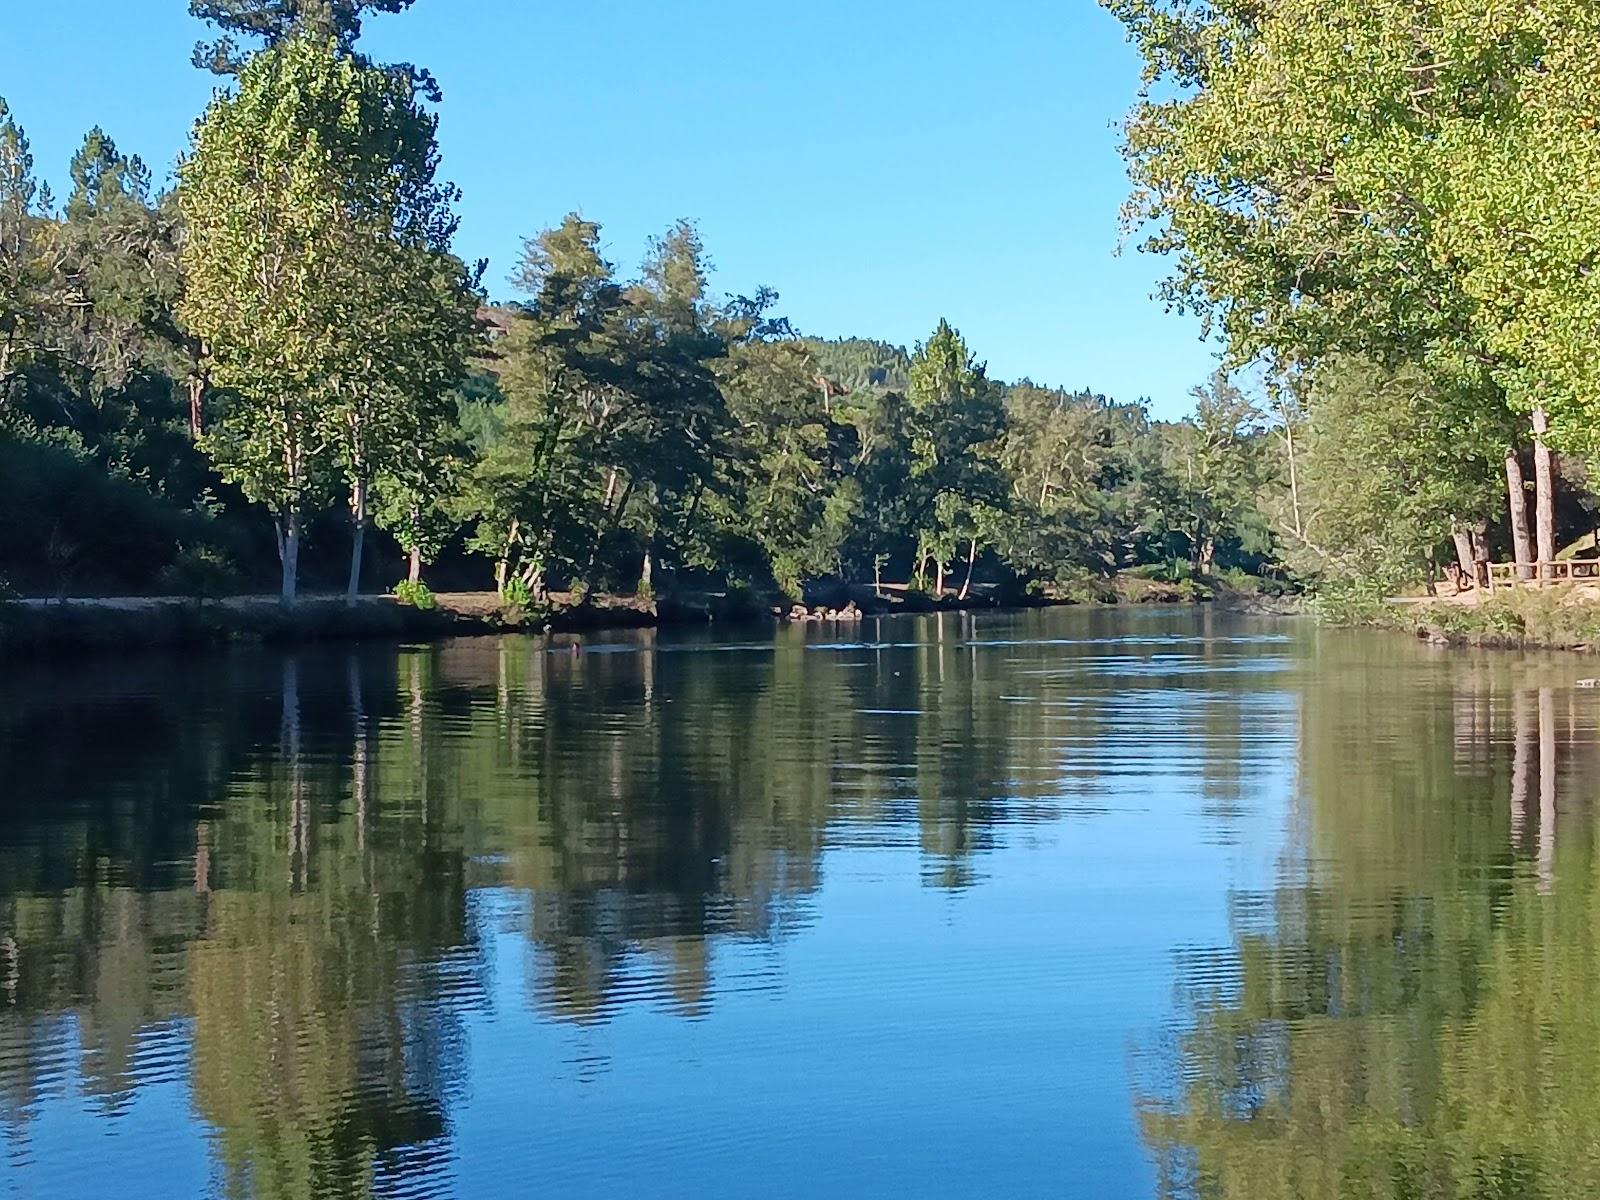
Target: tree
[(1310, 166), (1386, 477), (273, 22), (1215, 459), (119, 267), (780, 491), (1078, 466), (955, 413), (29, 305), (310, 205), (536, 490), (683, 428)]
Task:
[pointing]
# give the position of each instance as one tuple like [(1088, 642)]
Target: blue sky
[(880, 163)]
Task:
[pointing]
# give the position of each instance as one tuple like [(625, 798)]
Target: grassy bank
[(1558, 617)]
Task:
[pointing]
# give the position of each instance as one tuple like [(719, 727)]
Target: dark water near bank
[(1074, 903)]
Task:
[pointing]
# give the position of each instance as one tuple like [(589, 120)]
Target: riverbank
[(100, 624), (1559, 616), (33, 627)]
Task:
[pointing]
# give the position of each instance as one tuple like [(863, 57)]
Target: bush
[(1355, 602), (416, 594), (200, 572), (1078, 585)]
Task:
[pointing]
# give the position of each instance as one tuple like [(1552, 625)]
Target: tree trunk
[(358, 540), (1208, 555), (1464, 554), (972, 558), (502, 568), (1294, 480), (1196, 541), (414, 574), (1517, 504), (938, 578), (1480, 544), (197, 392), (289, 557), (1544, 495), (645, 574)]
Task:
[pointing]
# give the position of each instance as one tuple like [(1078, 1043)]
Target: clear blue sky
[(881, 163)]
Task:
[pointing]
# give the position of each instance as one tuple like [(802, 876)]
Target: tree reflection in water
[(269, 877), (1415, 1011)]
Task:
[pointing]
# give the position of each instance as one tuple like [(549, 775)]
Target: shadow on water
[(340, 923)]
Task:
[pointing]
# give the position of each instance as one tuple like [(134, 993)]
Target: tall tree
[(955, 413), (270, 23), (1307, 166), (536, 490), (308, 198), (29, 302), (1215, 459)]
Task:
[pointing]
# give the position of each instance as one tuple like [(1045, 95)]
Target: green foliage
[(861, 364), (415, 594), (1359, 600), (272, 22), (516, 594), (1533, 617), (1400, 194), (290, 329), (319, 278), (200, 572), (1389, 474)]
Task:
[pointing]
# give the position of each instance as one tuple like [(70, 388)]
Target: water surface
[(1070, 903)]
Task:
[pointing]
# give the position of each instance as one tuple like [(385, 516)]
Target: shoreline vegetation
[(279, 373), (85, 625), (1555, 617)]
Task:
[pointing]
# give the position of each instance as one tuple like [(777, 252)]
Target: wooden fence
[(1510, 575)]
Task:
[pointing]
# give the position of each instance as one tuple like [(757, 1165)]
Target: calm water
[(1074, 903)]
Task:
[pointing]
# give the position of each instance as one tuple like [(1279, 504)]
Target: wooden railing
[(1510, 575)]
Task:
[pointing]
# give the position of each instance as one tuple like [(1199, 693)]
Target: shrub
[(1355, 602), (416, 594), (516, 593), (1078, 585), (200, 572)]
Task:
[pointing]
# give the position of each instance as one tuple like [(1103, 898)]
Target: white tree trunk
[(358, 542), (289, 558), (1464, 555), (1544, 489), (1517, 503)]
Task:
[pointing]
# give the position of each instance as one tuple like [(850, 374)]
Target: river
[(1098, 903)]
